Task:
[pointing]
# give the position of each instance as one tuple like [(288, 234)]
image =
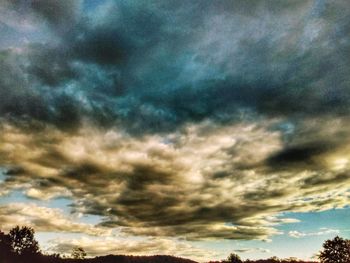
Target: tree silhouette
[(22, 241), (274, 259), (233, 258), (336, 250), (78, 253), (5, 247)]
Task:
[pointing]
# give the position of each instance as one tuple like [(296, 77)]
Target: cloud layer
[(134, 64), (203, 182)]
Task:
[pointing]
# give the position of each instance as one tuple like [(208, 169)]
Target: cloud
[(59, 15), (44, 219), (116, 176), (301, 154), (211, 231), (55, 192), (323, 231), (111, 68), (252, 250), (209, 181), (148, 246)]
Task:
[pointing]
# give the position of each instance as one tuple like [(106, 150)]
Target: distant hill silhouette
[(135, 259), (129, 259), (101, 259)]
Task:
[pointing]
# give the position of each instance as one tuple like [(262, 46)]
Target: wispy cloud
[(321, 232), (251, 250), (45, 219)]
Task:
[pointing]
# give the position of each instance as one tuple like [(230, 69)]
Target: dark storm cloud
[(157, 65), (15, 98), (50, 66), (302, 154), (57, 13), (60, 15), (21, 96)]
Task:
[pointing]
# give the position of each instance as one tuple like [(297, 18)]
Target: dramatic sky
[(190, 128)]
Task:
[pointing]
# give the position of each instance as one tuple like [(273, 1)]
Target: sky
[(188, 128)]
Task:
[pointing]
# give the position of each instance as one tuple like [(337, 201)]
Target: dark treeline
[(20, 246), (234, 258)]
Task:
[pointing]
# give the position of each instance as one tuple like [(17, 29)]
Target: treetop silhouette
[(336, 250), (22, 240)]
